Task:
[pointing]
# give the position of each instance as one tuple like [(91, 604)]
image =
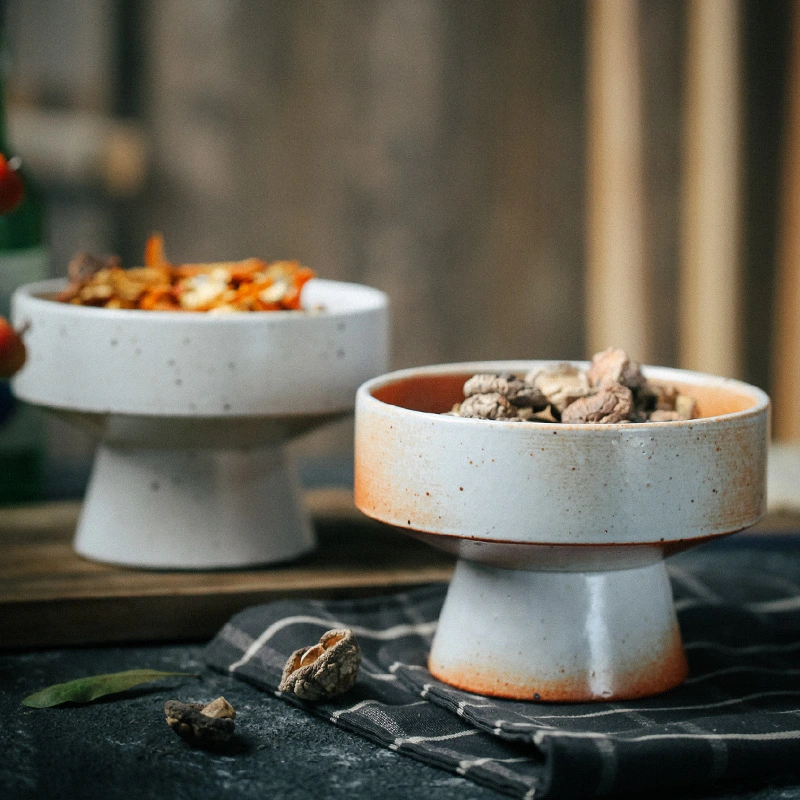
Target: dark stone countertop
[(121, 747)]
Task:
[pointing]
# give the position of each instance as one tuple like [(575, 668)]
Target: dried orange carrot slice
[(154, 251)]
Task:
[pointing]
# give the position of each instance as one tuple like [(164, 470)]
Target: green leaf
[(84, 690)]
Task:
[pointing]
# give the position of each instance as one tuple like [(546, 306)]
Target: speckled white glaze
[(538, 511), (191, 411), (188, 508), (559, 636), (561, 484), (202, 365)]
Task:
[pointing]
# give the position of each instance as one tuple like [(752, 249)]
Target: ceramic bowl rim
[(373, 300), (366, 398)]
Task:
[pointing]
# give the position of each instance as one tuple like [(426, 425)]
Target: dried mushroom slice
[(83, 265), (201, 725), (664, 403), (615, 366), (561, 385), (219, 709), (486, 383), (613, 389), (529, 396), (325, 670), (652, 396), (686, 407), (487, 406), (517, 391), (666, 398), (662, 415), (612, 403)]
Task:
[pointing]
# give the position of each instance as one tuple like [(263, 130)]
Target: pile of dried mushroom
[(613, 389)]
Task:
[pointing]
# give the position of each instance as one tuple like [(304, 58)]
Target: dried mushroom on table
[(324, 670), (612, 389), (201, 725)]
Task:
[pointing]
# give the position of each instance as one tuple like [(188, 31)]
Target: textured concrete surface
[(122, 747)]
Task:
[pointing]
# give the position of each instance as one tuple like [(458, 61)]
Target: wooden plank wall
[(618, 303), (787, 297), (711, 308), (435, 150)]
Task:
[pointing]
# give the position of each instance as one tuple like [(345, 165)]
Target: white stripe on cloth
[(780, 606), (693, 584), (773, 606), (719, 750), (608, 766), (427, 686), (644, 710), (637, 716), (462, 704), (502, 726), (540, 736), (466, 765), (742, 649), (395, 632), (741, 668), (379, 676), (338, 713), (400, 741), (692, 602), (779, 582)]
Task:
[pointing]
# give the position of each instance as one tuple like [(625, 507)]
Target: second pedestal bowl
[(560, 591), (192, 412)]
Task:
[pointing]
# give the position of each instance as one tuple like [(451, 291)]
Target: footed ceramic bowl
[(192, 411), (560, 591)]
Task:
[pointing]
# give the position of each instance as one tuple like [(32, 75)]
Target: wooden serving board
[(50, 596)]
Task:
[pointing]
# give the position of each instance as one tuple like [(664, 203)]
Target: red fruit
[(11, 187), (12, 350)]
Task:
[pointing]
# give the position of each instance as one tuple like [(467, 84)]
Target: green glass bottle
[(23, 259)]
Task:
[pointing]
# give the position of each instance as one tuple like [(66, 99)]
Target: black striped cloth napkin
[(737, 717)]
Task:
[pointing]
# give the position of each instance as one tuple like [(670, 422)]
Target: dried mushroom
[(614, 366), (324, 670), (487, 406), (666, 397), (201, 725), (219, 709), (518, 392), (84, 265), (664, 415), (612, 403), (613, 389), (561, 385), (686, 407)]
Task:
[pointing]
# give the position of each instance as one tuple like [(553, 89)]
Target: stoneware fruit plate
[(560, 592), (192, 412)]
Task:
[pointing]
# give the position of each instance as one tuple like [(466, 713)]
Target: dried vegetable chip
[(222, 287)]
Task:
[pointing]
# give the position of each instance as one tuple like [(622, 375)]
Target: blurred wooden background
[(444, 151)]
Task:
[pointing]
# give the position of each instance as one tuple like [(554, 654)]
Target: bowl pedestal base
[(192, 508), (559, 636)]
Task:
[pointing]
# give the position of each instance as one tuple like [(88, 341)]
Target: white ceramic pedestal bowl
[(192, 411), (560, 591)]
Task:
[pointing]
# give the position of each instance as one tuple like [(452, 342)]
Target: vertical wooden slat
[(710, 313), (616, 272), (786, 364)]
